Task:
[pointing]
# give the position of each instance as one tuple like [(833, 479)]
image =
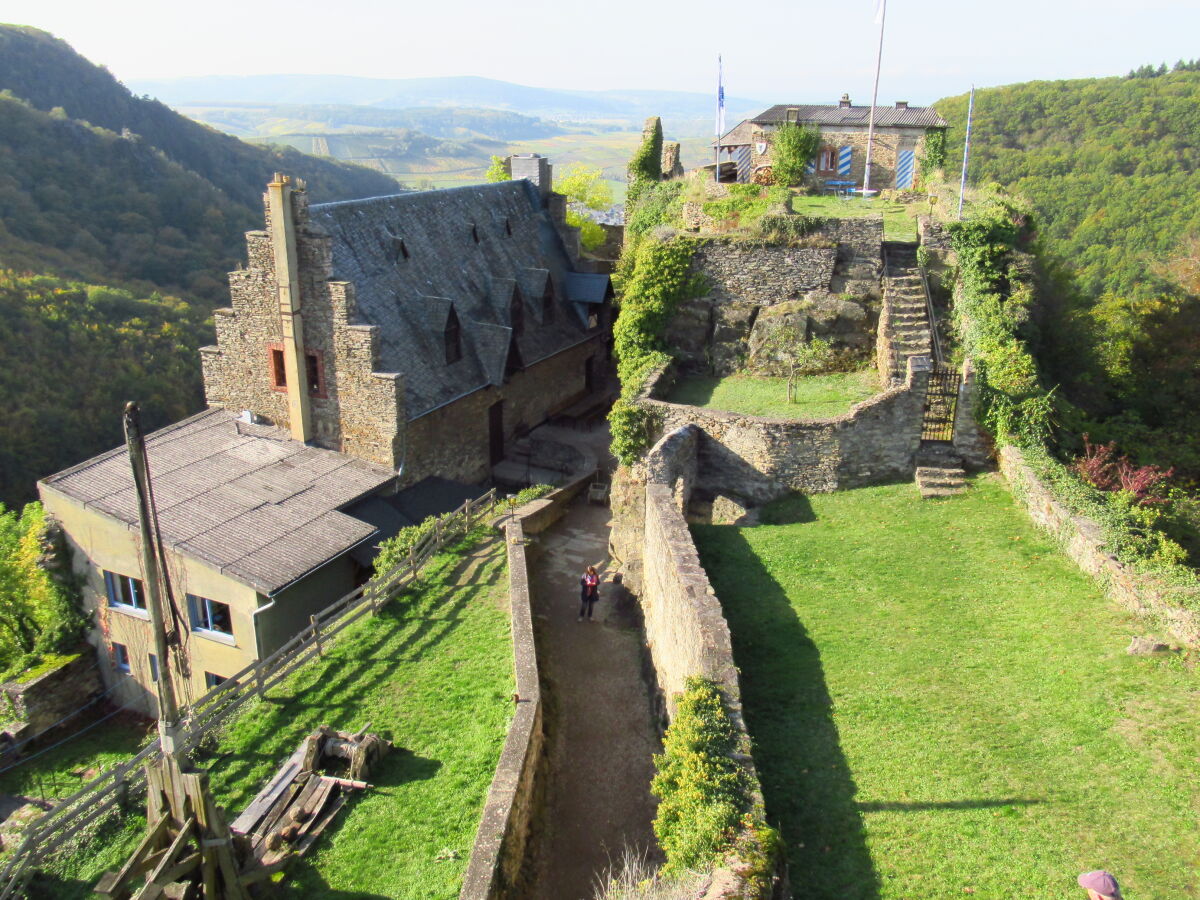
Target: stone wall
[(685, 626), (970, 442), (1082, 539), (37, 704), (744, 272), (449, 441), (755, 459), (359, 411), (494, 868), (888, 142)]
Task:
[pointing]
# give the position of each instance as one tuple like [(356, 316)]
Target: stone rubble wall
[(970, 442), (1082, 540), (37, 704), (755, 459), (494, 868), (748, 273), (685, 627), (361, 411)]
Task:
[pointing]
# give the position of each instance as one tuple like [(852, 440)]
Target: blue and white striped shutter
[(811, 167), (741, 158), (905, 164), (845, 154)]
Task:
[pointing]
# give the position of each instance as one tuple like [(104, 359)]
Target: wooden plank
[(264, 799), (181, 868), (155, 881), (134, 865)]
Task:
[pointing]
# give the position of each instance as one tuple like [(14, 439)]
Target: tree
[(586, 186), (793, 146), (498, 170)]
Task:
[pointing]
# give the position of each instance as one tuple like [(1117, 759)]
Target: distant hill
[(462, 91), (101, 185), (459, 123), (1112, 166)]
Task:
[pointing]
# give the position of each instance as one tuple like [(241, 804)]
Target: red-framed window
[(827, 161), (314, 370)]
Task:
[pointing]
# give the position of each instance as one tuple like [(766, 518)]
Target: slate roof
[(246, 499), (470, 247), (885, 116)]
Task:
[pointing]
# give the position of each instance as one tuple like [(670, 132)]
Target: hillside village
[(872, 620)]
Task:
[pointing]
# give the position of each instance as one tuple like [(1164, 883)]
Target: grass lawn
[(942, 705), (898, 223), (815, 396), (433, 672)]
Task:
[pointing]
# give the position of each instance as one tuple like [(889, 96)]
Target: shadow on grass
[(806, 780)]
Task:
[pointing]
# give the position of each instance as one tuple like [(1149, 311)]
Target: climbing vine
[(645, 167), (934, 157), (659, 278)]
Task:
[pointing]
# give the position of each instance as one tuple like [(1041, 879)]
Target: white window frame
[(200, 616), (135, 588)]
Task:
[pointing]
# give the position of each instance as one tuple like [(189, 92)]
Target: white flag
[(880, 9), (720, 99)]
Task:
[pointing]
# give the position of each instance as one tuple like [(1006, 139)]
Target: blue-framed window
[(209, 615), (153, 667), (211, 680), (124, 591), (120, 657)]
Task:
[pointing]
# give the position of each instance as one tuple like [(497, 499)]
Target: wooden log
[(135, 865), (155, 882)]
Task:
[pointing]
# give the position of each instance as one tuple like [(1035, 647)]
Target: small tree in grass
[(787, 345), (792, 147)]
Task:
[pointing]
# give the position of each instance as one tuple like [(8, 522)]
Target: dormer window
[(453, 338), (548, 302), (399, 249), (508, 226), (475, 233), (516, 312)]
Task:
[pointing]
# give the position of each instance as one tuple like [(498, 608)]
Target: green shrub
[(702, 790), (591, 235), (39, 614), (792, 146), (645, 167), (745, 205), (934, 157), (656, 204)]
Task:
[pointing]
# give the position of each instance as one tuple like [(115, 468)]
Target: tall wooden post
[(168, 709)]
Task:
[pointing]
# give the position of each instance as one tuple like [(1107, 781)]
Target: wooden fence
[(115, 787)]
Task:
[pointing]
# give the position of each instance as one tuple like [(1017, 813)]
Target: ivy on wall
[(934, 156)]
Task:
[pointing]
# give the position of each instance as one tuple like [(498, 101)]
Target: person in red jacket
[(589, 591)]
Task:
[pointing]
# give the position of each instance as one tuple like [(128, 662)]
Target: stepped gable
[(885, 116), (245, 499), (416, 257)]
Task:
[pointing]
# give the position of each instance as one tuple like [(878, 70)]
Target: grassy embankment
[(899, 223), (433, 672), (814, 396), (942, 704)]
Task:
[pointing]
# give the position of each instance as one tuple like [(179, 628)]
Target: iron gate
[(941, 398)]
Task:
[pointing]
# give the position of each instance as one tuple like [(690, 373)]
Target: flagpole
[(874, 100), (720, 120), (962, 185)]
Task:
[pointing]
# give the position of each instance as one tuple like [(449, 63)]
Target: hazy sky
[(778, 51)]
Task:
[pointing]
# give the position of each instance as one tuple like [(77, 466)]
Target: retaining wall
[(494, 868), (1083, 540), (37, 704), (756, 459)]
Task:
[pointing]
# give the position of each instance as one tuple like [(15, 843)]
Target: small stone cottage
[(900, 136)]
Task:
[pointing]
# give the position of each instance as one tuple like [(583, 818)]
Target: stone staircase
[(939, 472), (904, 294)]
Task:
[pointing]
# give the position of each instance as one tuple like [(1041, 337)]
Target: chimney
[(287, 278), (844, 103), (536, 168), (901, 104)]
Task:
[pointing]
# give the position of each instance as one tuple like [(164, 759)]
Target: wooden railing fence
[(106, 793)]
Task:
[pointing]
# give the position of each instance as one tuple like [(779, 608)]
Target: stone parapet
[(40, 703), (1082, 540)]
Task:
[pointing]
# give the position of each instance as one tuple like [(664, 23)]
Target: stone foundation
[(38, 704)]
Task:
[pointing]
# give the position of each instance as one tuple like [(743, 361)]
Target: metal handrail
[(939, 359)]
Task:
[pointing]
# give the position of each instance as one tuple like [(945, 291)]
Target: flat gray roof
[(246, 499)]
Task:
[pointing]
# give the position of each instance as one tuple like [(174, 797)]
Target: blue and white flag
[(720, 99)]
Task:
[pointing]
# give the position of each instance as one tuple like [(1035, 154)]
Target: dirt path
[(600, 728)]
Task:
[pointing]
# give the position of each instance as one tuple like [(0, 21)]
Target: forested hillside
[(1112, 168), (73, 355), (98, 184)]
